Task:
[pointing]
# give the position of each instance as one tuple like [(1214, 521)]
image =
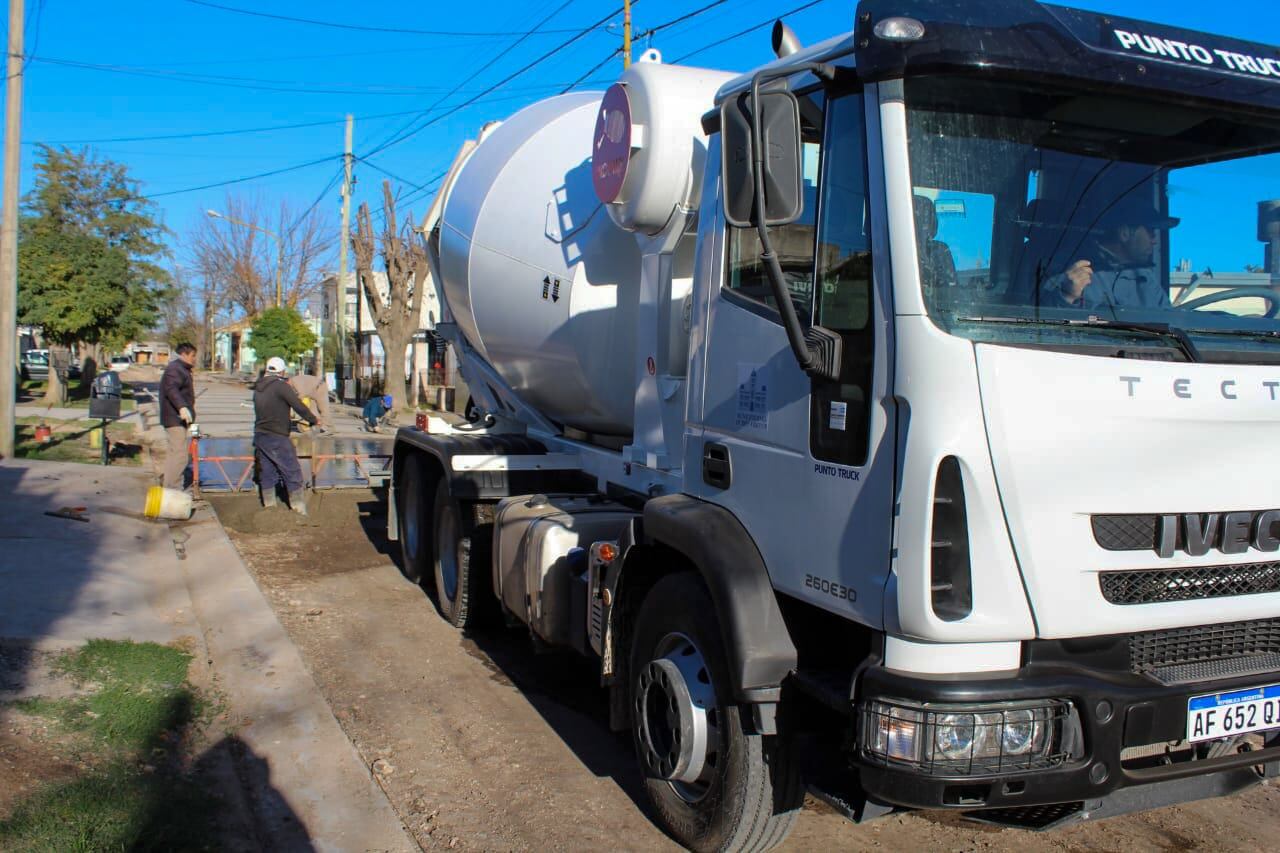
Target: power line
[(360, 27), (198, 134), (228, 79), (231, 181), (594, 69), (35, 33), (389, 174), (421, 127), (680, 20), (327, 187), (498, 55), (750, 29), (228, 82), (649, 32), (246, 130)]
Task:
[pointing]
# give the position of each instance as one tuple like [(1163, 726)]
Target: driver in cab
[(1118, 268)]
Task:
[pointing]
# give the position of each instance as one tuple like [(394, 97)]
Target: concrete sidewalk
[(119, 576)]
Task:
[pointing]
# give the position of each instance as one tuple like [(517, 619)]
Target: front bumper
[(1117, 710)]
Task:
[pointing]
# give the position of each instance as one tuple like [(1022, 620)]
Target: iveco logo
[(1229, 532)]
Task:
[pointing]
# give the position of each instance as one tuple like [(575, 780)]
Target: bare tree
[(397, 314), (188, 313), (234, 255)]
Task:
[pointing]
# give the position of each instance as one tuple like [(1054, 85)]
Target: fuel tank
[(539, 258)]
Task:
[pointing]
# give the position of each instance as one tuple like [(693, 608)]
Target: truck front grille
[(1161, 585), (1207, 652)]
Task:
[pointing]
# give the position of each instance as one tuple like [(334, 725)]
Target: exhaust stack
[(785, 42)]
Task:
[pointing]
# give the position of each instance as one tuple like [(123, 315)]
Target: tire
[(748, 793), (460, 559), (414, 519)]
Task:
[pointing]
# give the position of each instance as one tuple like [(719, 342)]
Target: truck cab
[(969, 318)]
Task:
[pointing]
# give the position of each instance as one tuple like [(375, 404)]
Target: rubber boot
[(269, 499), (298, 502)]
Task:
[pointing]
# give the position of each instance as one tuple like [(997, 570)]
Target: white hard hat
[(276, 364)]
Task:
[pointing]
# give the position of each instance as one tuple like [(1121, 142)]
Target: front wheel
[(714, 785)]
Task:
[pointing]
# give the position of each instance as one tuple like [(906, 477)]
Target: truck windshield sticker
[(1181, 51), (753, 398), (839, 414)]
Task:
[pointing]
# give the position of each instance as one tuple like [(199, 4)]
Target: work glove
[(185, 414)]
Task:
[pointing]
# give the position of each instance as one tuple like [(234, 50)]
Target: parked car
[(35, 365), (120, 362)]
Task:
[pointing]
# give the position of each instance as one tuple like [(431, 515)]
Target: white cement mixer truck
[(896, 422)]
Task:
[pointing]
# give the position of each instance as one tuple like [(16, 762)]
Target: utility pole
[(626, 34), (340, 314), (9, 233)]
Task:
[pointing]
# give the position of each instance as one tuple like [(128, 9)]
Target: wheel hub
[(675, 710)]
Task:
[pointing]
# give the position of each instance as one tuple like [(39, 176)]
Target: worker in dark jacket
[(177, 411), (273, 397)]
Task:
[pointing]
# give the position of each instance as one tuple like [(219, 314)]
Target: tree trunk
[(395, 376), (415, 378), (54, 391)]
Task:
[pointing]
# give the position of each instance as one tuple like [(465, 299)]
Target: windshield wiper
[(1240, 333), (1174, 334)]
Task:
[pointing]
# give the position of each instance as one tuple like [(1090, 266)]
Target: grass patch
[(119, 808), (77, 394), (70, 442), (136, 712)]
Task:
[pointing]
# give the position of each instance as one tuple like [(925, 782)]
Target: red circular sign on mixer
[(611, 146)]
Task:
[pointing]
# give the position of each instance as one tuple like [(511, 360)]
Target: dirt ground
[(481, 744)]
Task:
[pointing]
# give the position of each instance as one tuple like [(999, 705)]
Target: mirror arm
[(820, 357)]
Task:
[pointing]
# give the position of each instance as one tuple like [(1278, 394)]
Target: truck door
[(806, 465)]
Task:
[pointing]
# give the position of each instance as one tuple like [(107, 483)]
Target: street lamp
[(213, 214)]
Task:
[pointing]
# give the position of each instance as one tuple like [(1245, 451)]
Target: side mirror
[(780, 137)]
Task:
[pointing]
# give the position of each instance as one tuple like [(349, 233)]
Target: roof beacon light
[(899, 29)]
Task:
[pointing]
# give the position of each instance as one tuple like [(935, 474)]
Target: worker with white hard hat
[(273, 397)]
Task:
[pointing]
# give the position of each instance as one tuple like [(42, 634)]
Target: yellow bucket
[(166, 503)]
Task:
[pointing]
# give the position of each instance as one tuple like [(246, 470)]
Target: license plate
[(1220, 715)]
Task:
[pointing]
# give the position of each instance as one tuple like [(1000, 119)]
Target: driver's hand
[(1079, 275)]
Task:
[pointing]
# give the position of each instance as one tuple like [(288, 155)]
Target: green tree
[(282, 332), (87, 254)]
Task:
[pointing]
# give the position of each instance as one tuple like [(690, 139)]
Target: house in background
[(231, 350), (420, 356), (148, 352)]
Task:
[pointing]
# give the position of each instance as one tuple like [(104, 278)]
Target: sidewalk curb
[(313, 765)]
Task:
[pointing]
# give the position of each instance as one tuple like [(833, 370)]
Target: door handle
[(717, 470)]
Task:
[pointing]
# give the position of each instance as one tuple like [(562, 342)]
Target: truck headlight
[(964, 740)]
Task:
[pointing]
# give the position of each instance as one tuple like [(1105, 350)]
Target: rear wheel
[(714, 785), (411, 504), (461, 557)]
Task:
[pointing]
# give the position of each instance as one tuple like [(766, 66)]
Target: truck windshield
[(1063, 218)]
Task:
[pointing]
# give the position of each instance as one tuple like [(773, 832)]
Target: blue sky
[(194, 68)]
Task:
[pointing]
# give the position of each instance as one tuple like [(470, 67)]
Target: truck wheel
[(461, 558), (411, 500), (714, 785)]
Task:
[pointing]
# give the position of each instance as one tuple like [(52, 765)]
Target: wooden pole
[(9, 234), (626, 34), (340, 301)]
